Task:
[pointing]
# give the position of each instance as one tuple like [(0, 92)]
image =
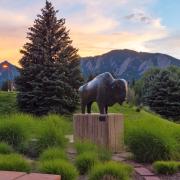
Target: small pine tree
[(50, 73)]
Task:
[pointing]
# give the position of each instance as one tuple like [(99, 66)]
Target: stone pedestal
[(105, 130)]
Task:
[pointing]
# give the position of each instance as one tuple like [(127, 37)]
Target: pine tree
[(50, 75), (162, 94)]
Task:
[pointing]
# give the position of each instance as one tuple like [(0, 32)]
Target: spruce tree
[(162, 93), (50, 74)]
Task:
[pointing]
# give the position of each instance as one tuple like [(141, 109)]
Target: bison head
[(120, 90)]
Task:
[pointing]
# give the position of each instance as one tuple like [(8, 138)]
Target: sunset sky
[(97, 26)]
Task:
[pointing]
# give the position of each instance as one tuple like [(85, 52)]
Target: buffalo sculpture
[(103, 89)]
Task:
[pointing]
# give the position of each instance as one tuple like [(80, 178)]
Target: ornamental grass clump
[(13, 133), (49, 136), (5, 148), (14, 162), (85, 161), (151, 141), (111, 169), (166, 167), (104, 154), (85, 146), (60, 167), (53, 154)]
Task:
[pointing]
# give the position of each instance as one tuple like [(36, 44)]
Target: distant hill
[(125, 63), (7, 72)]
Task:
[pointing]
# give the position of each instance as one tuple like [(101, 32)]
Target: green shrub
[(61, 122), (52, 154), (104, 154), (149, 145), (12, 132), (117, 170), (13, 162), (5, 148), (166, 167), (59, 167), (85, 146), (50, 135), (85, 161)]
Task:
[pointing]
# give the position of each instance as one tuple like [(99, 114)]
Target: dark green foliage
[(142, 86), (117, 170), (166, 167), (14, 162), (53, 153), (50, 75), (160, 90), (85, 161), (59, 167), (5, 148)]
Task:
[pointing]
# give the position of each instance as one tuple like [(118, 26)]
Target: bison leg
[(106, 109), (83, 108), (89, 107), (101, 108)]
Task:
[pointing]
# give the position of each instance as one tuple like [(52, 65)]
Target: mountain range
[(125, 63)]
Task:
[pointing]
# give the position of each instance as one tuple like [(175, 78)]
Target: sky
[(97, 26)]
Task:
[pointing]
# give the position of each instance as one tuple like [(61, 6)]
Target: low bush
[(53, 154), (59, 167), (149, 145), (85, 146), (85, 161), (12, 132), (5, 148), (166, 167), (14, 162), (114, 169)]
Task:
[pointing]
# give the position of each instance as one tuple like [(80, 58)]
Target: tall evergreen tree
[(50, 74)]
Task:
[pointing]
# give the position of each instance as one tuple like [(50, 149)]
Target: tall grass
[(52, 154), (14, 162), (112, 169), (27, 133), (59, 167)]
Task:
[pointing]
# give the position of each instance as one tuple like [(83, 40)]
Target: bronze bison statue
[(103, 89)]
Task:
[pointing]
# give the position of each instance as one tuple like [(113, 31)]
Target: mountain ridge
[(125, 63)]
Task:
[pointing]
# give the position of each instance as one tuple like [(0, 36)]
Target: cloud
[(141, 17), (96, 26), (169, 44)]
